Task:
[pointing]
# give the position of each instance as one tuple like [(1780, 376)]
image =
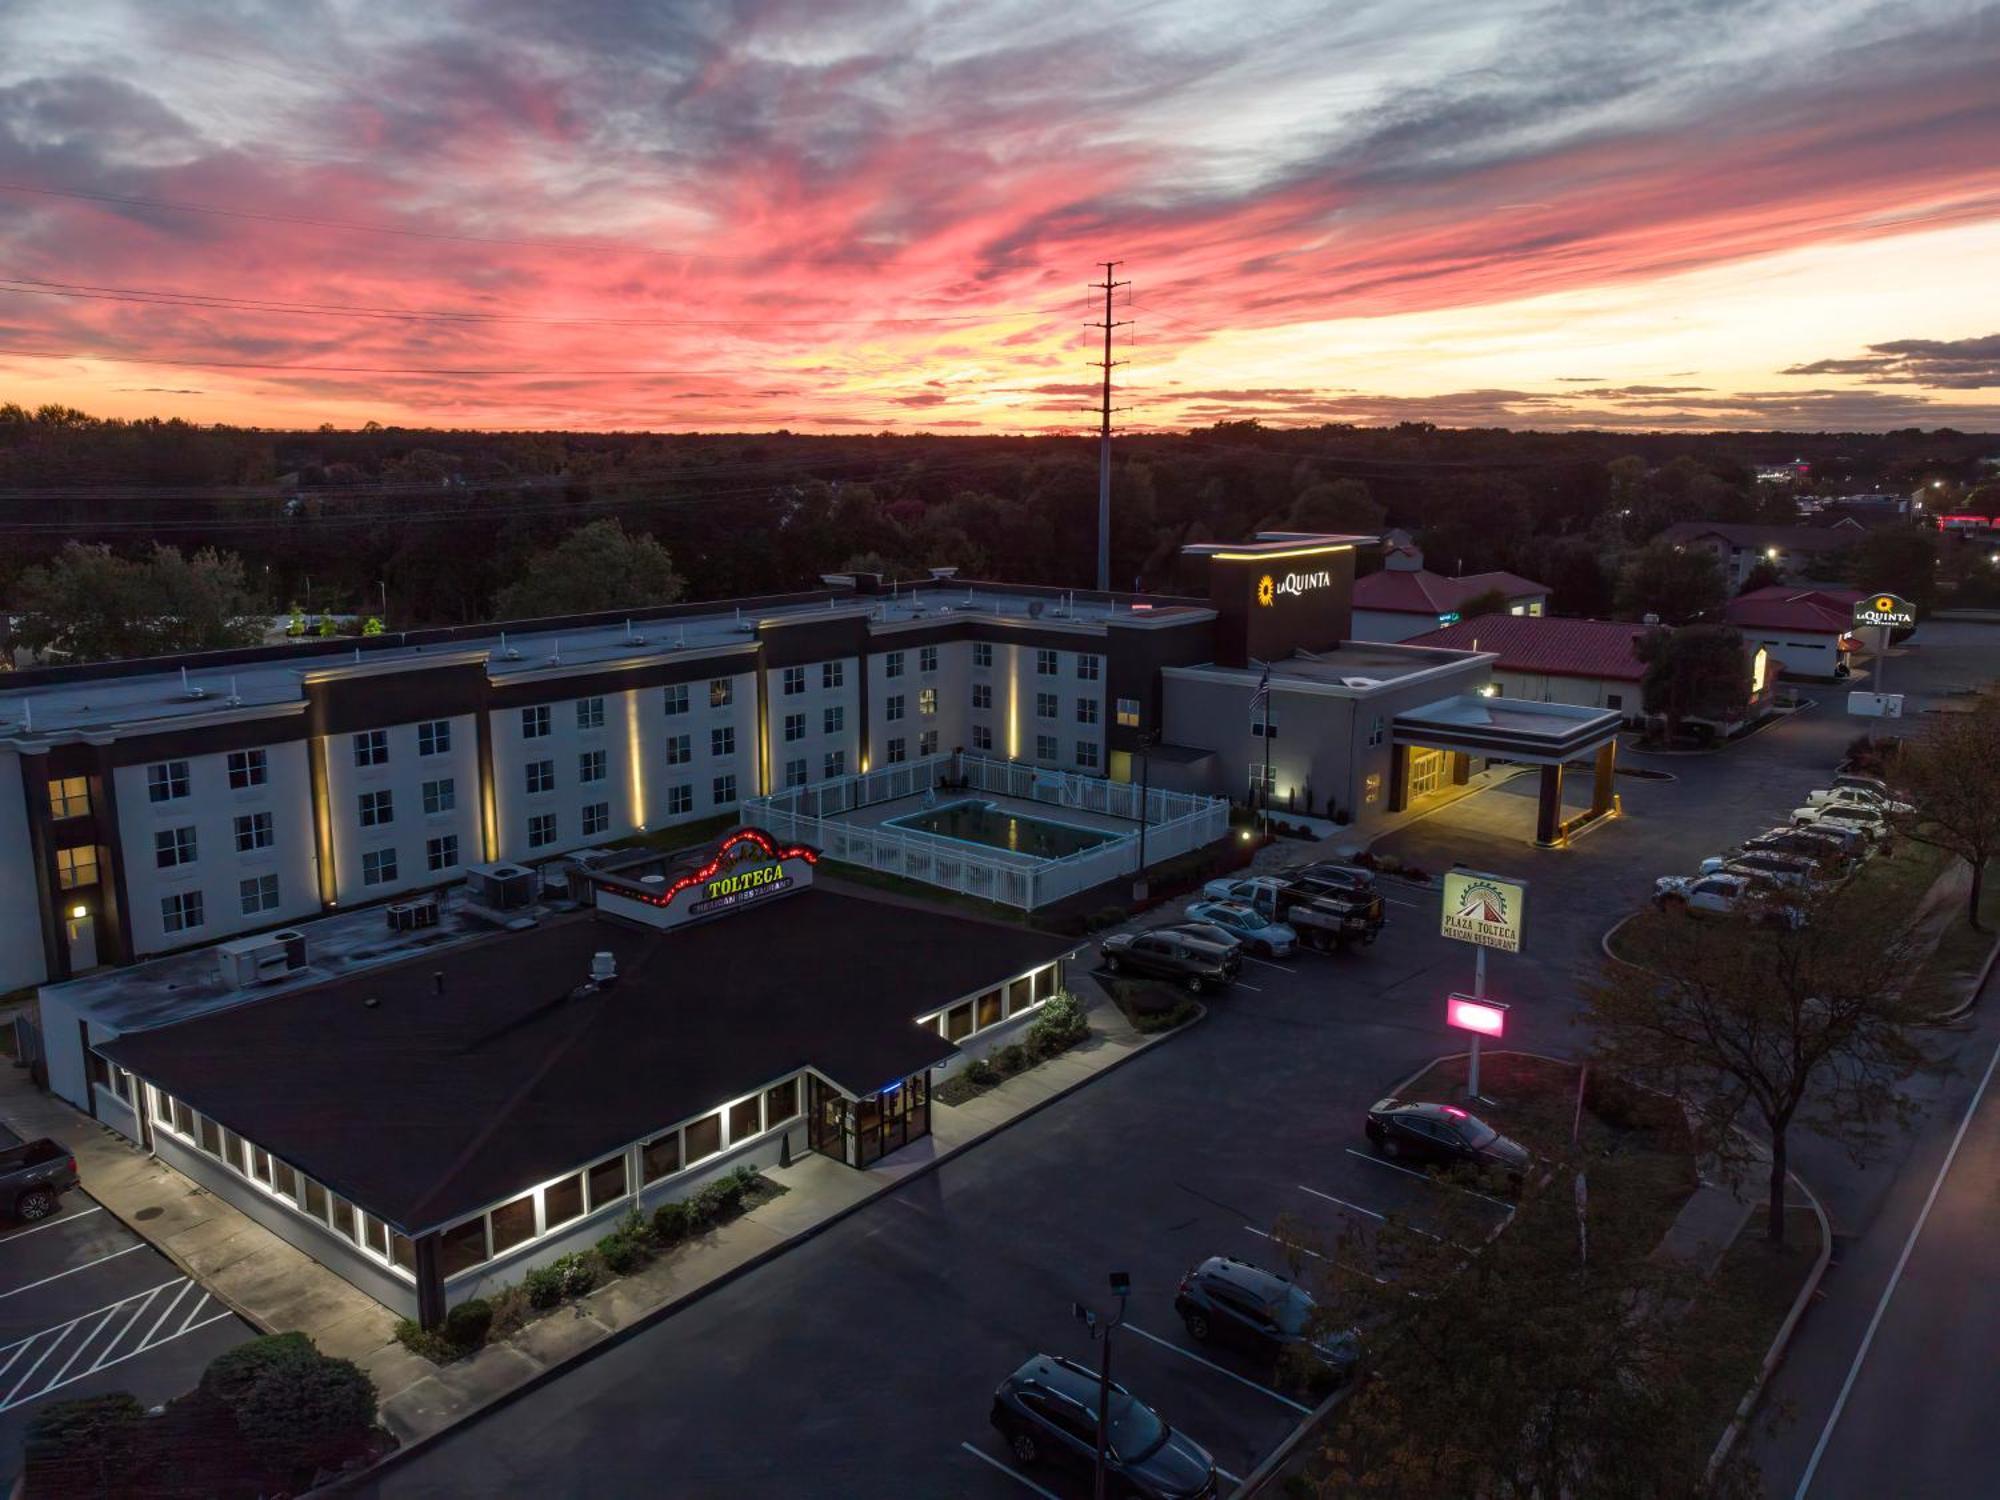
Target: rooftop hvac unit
[(410, 916), (263, 959), (501, 887)]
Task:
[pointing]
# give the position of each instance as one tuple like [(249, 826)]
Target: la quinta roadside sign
[(1887, 610)]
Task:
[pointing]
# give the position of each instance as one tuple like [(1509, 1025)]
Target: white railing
[(1176, 822)]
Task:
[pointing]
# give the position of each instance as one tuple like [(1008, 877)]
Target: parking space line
[(1369, 1156), (186, 1287), (1250, 987), (1360, 1210), (82, 1344), (21, 1234), (1232, 1478), (61, 1334), (1009, 1471), (11, 1403), (1302, 1250), (189, 1318), (1425, 1176), (130, 1324), (1212, 1365), (1266, 963), (73, 1270)]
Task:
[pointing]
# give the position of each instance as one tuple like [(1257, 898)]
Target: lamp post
[(1121, 1288), (1147, 739)]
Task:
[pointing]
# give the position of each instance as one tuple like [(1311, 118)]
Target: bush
[(670, 1222), (748, 1178), (467, 1324), (1151, 1021), (1062, 1024), (1111, 916), (424, 1343), (566, 1276), (234, 1371), (70, 1444), (621, 1254), (294, 1406), (981, 1072), (1011, 1058)]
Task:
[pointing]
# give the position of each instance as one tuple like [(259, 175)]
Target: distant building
[(1807, 631), (1406, 599), (1739, 547)]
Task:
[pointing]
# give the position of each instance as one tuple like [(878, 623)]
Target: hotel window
[(174, 846), (832, 674), (982, 654), (675, 698), (344, 1222), (724, 791), (590, 713), (69, 797), (1046, 663), (562, 1202), (982, 695), (596, 818), (661, 1157), (892, 707), (899, 751), (541, 830), (781, 1103), (927, 658), (927, 703), (1086, 710), (210, 1135), (513, 1224), (247, 768), (1047, 705), (441, 853), (377, 808), (795, 727), (168, 781), (378, 867), (541, 776), (1046, 747), (1262, 731), (76, 867), (958, 1022), (988, 1013), (1088, 667), (745, 1119), (462, 1246), (440, 796), (795, 681), (535, 722), (1264, 780), (795, 772), (680, 798), (927, 742), (434, 737), (1128, 713), (835, 764), (704, 1138), (314, 1201), (607, 1181), (721, 692), (1086, 754), (258, 894), (892, 664), (722, 740), (371, 748), (590, 767), (982, 737), (679, 750), (835, 719)]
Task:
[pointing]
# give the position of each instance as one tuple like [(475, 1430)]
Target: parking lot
[(88, 1307)]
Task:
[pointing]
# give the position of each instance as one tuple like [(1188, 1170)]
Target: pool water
[(983, 823)]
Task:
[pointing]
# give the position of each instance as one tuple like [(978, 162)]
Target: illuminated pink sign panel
[(1487, 1017)]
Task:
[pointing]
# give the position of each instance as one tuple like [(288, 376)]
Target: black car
[(1047, 1412), (1348, 879), (1229, 1301), (1444, 1135), (1173, 956), (34, 1176), (1219, 938)]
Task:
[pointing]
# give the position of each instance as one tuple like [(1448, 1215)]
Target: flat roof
[(430, 1105), (1356, 667), (1520, 728)]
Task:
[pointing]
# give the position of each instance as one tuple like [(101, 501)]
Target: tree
[(1763, 574), (1802, 1020), (1342, 505), (595, 567), (1677, 584), (1895, 560), (1697, 671), (1487, 602), (89, 604), (1949, 773)]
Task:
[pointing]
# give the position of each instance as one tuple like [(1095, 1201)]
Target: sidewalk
[(279, 1289)]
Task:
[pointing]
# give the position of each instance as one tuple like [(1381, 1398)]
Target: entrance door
[(1429, 770), (80, 940), (827, 1120)]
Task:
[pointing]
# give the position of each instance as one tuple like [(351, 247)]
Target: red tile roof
[(1555, 648), (1782, 607), (1421, 592)]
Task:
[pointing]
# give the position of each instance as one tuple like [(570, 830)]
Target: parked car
[(1173, 956), (1259, 933), (1047, 1413), (33, 1177), (1727, 893), (1205, 932), (1855, 796), (1869, 824), (1443, 1134), (1827, 849), (1785, 869), (1228, 1301), (1335, 876), (1323, 917), (1863, 782)]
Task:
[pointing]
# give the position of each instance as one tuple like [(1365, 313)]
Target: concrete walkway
[(1707, 1225), (279, 1289)]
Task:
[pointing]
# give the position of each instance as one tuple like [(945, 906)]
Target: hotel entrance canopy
[(1548, 735)]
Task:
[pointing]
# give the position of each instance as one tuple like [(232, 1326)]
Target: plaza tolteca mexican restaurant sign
[(1483, 909), (747, 868), (1885, 609)]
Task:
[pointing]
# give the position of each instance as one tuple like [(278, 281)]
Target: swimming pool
[(975, 822)]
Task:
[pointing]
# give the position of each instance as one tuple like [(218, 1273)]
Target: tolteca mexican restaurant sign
[(1885, 609), (1483, 909), (747, 868)]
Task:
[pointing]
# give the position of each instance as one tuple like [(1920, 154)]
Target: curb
[(1276, 1459), (1966, 1006), (542, 1377), (1782, 1340), (1611, 932)]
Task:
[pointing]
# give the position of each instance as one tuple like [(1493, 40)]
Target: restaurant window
[(260, 1165), (781, 1103), (562, 1202), (1020, 995), (745, 1119), (314, 1201), (704, 1137), (69, 797), (607, 1181), (721, 692), (402, 1253), (247, 768), (98, 1068), (343, 1219), (76, 867), (284, 1180), (958, 1022), (184, 1118), (1045, 982), (661, 1157), (462, 1246), (513, 1224), (375, 1234), (989, 1011), (210, 1135), (232, 1151)]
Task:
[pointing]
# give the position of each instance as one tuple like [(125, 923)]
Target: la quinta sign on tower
[(1270, 586)]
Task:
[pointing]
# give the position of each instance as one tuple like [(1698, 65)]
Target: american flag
[(1261, 699)]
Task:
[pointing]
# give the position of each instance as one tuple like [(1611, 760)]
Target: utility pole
[(1107, 286)]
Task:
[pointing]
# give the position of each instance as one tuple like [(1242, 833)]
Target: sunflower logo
[(1885, 603), (1267, 590)]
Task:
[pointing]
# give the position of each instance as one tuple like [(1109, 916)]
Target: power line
[(1107, 286)]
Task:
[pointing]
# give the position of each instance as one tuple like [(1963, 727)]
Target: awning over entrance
[(1548, 735)]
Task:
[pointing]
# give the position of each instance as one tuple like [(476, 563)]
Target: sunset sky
[(692, 214)]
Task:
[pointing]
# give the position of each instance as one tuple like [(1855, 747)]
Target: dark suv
[(1047, 1412), (1345, 879), (1443, 1134), (1230, 1301), (1172, 956), (34, 1176)]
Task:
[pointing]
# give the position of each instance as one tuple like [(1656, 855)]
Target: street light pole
[(1140, 888), (1121, 1287)]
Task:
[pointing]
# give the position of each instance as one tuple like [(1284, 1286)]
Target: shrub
[(234, 1371), (621, 1254), (1061, 1024), (670, 1222), (423, 1343), (1150, 1021), (69, 1444), (1111, 916), (1011, 1058), (981, 1072), (544, 1286), (566, 1276), (294, 1406), (467, 1324), (748, 1178)]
